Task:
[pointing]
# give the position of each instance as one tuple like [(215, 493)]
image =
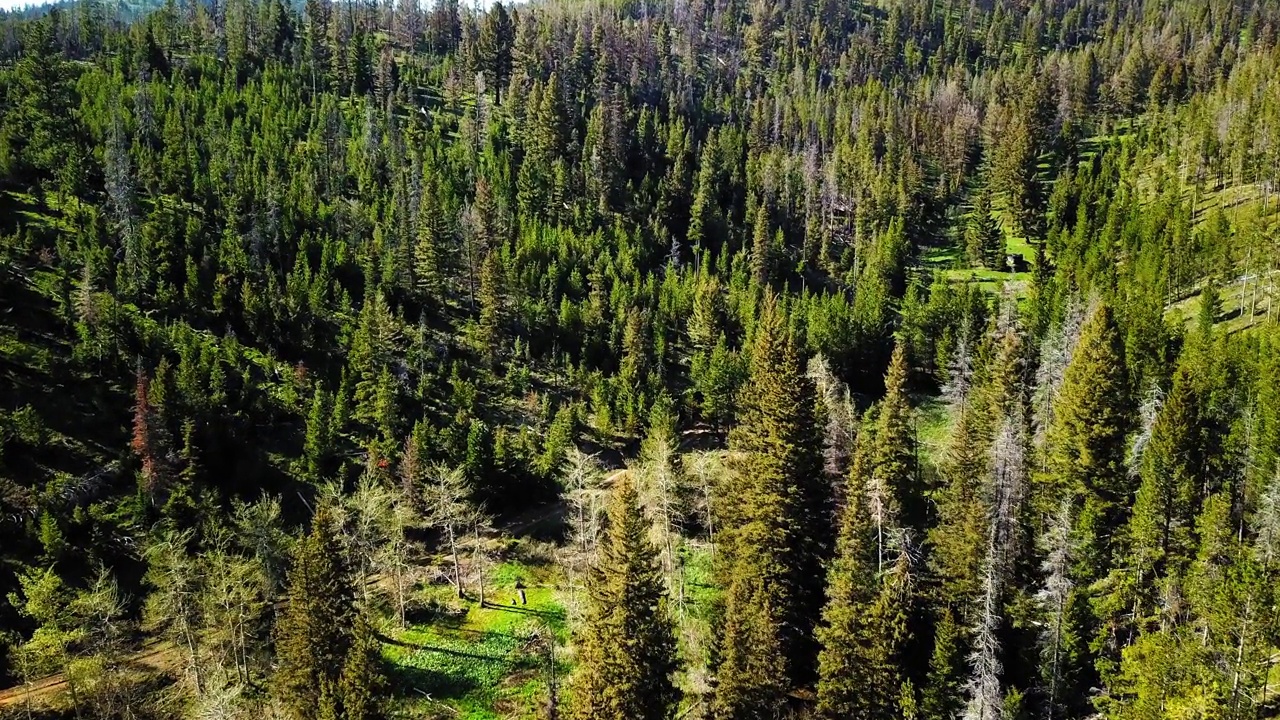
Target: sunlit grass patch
[(462, 659)]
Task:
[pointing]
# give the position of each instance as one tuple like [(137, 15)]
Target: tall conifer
[(1086, 442), (313, 636), (776, 510), (627, 649)]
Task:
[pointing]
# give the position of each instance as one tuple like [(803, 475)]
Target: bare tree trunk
[(479, 561), (189, 637), (457, 565), (400, 595), (75, 696)]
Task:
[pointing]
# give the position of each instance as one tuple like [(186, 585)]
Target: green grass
[(948, 261), (467, 661), (1235, 303), (933, 426), (701, 592)]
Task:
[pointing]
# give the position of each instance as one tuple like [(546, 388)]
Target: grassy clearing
[(948, 262), (459, 659), (463, 660), (933, 428), (696, 637), (1243, 305)]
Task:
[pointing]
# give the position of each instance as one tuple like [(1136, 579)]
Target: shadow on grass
[(545, 614), (422, 647), (416, 683), (434, 612)]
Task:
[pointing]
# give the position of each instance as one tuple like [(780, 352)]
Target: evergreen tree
[(361, 682), (490, 332), (777, 508), (1165, 506), (314, 635), (893, 493), (984, 240), (761, 247), (751, 679), (1086, 443), (941, 699), (493, 51), (627, 647), (847, 678)]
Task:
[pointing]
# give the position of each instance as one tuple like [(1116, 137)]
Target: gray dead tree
[(1055, 355), (839, 428), (1054, 596), (704, 470), (662, 495), (1008, 483), (449, 508), (1152, 399)]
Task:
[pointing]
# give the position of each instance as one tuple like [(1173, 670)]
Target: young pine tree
[(984, 240), (627, 648), (751, 680), (846, 681), (361, 681), (942, 693), (893, 494)]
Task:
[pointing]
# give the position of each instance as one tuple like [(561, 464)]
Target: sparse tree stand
[(627, 645), (449, 508)]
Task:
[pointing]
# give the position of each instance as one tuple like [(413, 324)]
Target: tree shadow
[(546, 614), (423, 647), (414, 682)]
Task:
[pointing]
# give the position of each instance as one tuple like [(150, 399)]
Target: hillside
[(888, 359)]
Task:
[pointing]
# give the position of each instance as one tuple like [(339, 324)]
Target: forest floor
[(477, 660), (152, 658), (1247, 301)]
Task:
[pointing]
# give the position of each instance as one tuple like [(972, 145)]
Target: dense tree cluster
[(379, 270)]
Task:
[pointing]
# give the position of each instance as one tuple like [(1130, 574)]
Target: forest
[(640, 360)]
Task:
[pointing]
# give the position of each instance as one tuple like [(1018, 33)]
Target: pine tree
[(489, 335), (627, 647), (706, 320), (1086, 442), (761, 247), (889, 624), (1164, 510), (429, 245), (361, 682), (751, 680), (958, 541), (893, 492), (493, 54), (777, 509), (1014, 172), (316, 443), (314, 634), (984, 240), (941, 699), (845, 665)]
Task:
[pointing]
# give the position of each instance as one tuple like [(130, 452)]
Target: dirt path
[(153, 657)]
